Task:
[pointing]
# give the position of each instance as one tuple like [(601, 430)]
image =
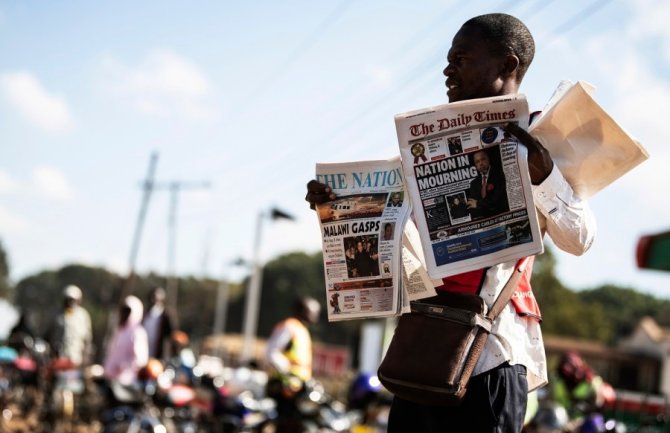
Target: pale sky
[(248, 96)]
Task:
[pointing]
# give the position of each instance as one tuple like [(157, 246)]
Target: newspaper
[(469, 184), (362, 233), (416, 282)]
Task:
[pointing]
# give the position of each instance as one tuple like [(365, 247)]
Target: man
[(396, 200), (289, 358), (488, 193), (489, 57), (70, 335), (159, 325), (458, 209), (364, 263), (388, 232)]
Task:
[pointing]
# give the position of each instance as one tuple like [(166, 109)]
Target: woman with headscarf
[(128, 350)]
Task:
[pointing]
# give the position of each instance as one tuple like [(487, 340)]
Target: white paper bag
[(587, 145)]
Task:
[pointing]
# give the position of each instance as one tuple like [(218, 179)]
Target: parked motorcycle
[(130, 409), (307, 406), (66, 396), (7, 357), (369, 404), (231, 400)]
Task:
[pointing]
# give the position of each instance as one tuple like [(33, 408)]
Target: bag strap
[(508, 290)]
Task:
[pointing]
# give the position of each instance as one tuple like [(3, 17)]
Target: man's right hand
[(318, 193)]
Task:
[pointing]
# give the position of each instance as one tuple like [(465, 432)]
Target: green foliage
[(563, 311), (624, 306)]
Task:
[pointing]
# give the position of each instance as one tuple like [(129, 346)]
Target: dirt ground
[(12, 421)]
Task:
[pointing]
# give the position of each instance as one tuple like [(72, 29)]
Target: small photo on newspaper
[(362, 232), (469, 184)]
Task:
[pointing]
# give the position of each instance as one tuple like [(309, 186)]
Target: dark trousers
[(494, 403)]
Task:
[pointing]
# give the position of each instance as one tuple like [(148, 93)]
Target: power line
[(580, 17), (306, 44), (568, 25)]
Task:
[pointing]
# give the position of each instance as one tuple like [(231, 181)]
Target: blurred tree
[(5, 287), (624, 306), (563, 312)]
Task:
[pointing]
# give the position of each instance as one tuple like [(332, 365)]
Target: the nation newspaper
[(362, 232)]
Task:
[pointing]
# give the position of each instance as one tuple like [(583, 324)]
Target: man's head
[(359, 246), (157, 296), (307, 309), (395, 197), (71, 296), (388, 231), (481, 160), (489, 56)]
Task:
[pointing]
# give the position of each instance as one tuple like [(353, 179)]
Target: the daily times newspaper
[(362, 232), (469, 184)]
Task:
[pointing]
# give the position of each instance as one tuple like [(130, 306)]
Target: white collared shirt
[(569, 222)]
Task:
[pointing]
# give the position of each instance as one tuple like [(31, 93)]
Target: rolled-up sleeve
[(570, 221)]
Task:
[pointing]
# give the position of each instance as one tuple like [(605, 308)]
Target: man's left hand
[(540, 163)]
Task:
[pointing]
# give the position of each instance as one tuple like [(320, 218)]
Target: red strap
[(523, 299)]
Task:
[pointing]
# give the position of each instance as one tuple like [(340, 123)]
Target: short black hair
[(506, 34)]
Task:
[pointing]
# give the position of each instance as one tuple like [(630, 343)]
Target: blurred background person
[(289, 359), (22, 334), (128, 350), (159, 324), (70, 335), (578, 388)]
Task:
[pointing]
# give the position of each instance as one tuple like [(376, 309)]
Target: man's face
[(473, 71), (395, 198), (388, 231), (359, 246), (482, 162), (69, 302)]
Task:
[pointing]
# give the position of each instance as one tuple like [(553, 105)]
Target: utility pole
[(147, 187), (175, 187), (253, 298)]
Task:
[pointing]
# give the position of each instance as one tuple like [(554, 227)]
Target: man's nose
[(448, 70)]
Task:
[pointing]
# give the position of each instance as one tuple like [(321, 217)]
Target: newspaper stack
[(362, 232)]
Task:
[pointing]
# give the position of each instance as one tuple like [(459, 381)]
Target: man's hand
[(472, 203), (318, 193), (540, 163)]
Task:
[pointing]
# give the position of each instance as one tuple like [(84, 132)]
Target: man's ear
[(509, 66)]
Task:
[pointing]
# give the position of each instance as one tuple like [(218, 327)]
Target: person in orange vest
[(289, 359)]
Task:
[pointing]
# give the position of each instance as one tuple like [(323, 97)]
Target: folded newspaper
[(362, 236), (469, 184)]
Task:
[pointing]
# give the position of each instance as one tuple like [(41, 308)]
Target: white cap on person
[(72, 292)]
